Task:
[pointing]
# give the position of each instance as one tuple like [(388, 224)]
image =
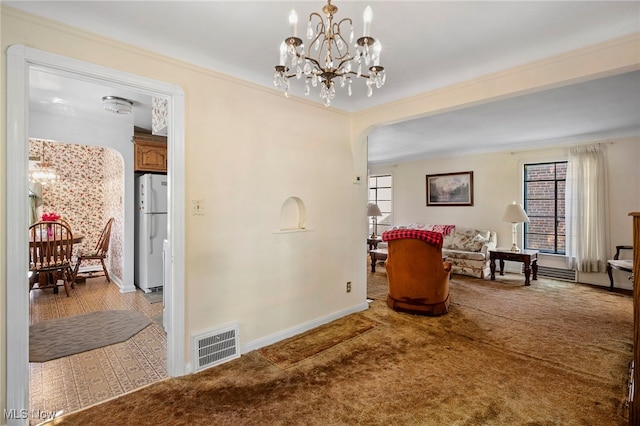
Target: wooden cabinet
[(150, 153)]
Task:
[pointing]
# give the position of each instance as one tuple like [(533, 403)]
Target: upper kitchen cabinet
[(150, 153)]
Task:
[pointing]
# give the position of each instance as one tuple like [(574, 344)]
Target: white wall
[(498, 182)]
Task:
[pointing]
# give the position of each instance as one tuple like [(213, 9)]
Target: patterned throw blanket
[(430, 237), (443, 229)]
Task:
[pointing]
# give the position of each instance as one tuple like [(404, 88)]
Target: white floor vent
[(215, 347), (560, 274)]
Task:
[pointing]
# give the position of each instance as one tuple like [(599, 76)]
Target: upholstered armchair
[(418, 276)]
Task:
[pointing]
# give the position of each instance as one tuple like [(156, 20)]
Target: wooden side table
[(373, 242), (528, 257), (376, 255)]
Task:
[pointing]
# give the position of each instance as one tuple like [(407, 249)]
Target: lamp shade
[(373, 210), (515, 214)]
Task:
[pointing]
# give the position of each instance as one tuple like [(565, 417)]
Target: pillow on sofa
[(477, 243), (463, 239), (415, 226)]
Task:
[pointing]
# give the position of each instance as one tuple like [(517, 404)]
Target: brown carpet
[(61, 337), (291, 351), (377, 285), (554, 353)]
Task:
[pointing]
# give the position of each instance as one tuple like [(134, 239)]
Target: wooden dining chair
[(99, 252), (50, 250)]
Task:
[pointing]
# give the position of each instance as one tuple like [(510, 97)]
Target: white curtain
[(35, 202), (587, 206)]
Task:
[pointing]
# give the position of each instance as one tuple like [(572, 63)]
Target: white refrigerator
[(151, 231)]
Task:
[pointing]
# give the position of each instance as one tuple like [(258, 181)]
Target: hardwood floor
[(77, 381)]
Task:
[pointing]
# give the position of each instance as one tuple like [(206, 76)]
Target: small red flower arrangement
[(50, 217)]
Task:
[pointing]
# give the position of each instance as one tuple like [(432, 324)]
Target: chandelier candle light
[(328, 60)]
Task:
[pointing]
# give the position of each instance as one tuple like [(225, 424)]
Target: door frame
[(20, 59)]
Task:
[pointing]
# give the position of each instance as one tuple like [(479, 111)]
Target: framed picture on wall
[(450, 189)]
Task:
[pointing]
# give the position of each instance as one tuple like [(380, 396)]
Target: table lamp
[(515, 214), (373, 211)]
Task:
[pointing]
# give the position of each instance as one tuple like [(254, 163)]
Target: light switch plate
[(197, 207)]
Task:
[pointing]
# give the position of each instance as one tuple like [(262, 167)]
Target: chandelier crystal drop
[(328, 56)]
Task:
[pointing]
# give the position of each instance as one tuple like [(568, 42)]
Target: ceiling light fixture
[(117, 105), (333, 59), (44, 172)]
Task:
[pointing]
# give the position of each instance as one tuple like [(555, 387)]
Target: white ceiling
[(426, 45), (596, 110), (54, 93)]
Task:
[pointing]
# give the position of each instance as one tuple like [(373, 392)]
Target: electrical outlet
[(348, 286)]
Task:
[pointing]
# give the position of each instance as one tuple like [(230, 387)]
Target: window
[(380, 194), (544, 191)]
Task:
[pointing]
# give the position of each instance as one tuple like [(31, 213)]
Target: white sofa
[(466, 248)]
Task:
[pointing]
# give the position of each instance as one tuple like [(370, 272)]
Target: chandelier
[(328, 60), (44, 172)]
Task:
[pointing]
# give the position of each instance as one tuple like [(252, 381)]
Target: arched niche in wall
[(293, 215)]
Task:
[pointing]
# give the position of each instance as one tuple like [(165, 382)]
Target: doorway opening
[(20, 61)]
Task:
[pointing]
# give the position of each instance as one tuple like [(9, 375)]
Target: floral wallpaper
[(88, 192), (114, 206), (159, 116)]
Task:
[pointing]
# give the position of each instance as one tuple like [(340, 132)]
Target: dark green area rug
[(154, 296), (80, 333)]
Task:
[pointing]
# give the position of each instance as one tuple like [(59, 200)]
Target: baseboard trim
[(123, 288), (290, 332)]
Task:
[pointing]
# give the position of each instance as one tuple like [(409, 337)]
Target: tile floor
[(77, 381)]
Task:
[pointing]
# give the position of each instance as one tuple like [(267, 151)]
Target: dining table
[(76, 238)]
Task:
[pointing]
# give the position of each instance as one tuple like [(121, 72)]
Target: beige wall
[(248, 149), (497, 179)]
